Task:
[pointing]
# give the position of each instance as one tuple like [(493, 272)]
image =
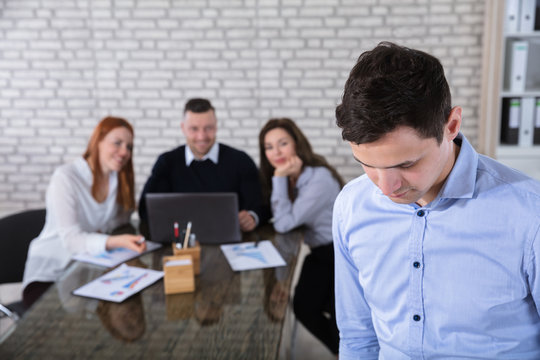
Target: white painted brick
[(198, 24), (41, 93), (21, 4), (239, 34), (257, 67), (168, 24), (305, 22), (149, 13), (22, 35), (138, 24), (271, 23), (442, 19), (186, 34), (185, 12), (17, 13), (407, 31)]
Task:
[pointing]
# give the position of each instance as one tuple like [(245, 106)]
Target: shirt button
[(416, 317), (421, 213), (416, 264)]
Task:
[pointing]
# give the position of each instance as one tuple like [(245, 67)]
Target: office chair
[(16, 232)]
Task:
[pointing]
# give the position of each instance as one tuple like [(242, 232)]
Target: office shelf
[(501, 63)]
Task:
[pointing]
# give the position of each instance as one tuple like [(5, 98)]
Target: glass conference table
[(231, 315)]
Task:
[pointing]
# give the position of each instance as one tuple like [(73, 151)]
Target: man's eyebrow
[(405, 163)]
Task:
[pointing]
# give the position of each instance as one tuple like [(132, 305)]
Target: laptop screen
[(213, 216)]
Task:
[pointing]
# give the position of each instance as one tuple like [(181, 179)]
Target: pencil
[(186, 238)]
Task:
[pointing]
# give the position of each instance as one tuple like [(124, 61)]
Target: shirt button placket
[(416, 300)]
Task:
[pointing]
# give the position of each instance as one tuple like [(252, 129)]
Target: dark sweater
[(234, 172)]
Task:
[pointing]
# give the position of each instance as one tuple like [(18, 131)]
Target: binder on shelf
[(532, 82), (511, 114), (511, 16), (527, 15), (536, 137), (517, 65), (526, 123), (537, 16)]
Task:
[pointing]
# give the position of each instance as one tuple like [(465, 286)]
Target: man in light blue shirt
[(437, 247)]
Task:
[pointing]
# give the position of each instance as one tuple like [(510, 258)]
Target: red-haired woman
[(85, 201)]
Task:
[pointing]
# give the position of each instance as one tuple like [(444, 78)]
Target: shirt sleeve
[(62, 204), (250, 190), (533, 268), (357, 335), (157, 182), (311, 198)]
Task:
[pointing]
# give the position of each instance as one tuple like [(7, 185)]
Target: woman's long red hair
[(126, 180)]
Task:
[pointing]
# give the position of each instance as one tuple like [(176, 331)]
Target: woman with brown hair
[(301, 187), (86, 200)]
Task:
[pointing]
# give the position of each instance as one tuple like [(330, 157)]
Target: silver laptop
[(213, 216)]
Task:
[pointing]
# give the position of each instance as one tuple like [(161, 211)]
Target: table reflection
[(231, 315)]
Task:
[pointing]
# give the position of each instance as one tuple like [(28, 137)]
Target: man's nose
[(388, 181)]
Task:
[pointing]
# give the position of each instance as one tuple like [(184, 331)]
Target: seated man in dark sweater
[(206, 166)]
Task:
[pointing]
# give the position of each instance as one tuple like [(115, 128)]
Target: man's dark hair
[(392, 86), (198, 106)]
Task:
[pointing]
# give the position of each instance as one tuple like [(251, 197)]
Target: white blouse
[(75, 222)]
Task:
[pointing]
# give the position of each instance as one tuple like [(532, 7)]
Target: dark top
[(234, 172)]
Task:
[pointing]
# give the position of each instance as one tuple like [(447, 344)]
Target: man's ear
[(182, 124), (453, 124)]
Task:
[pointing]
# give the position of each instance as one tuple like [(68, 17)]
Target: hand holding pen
[(128, 241)]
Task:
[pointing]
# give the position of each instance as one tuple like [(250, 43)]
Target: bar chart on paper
[(114, 257), (249, 255), (119, 284)]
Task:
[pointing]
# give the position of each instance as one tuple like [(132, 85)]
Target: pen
[(176, 235), (186, 238), (141, 240)]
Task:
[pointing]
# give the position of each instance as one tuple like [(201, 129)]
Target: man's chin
[(404, 199)]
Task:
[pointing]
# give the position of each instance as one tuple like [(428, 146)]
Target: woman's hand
[(292, 167), (128, 241)]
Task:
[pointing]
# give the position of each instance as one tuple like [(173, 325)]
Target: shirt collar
[(213, 154), (461, 181)]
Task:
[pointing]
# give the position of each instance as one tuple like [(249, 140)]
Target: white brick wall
[(64, 64)]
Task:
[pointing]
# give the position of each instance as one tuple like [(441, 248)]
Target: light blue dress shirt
[(458, 278)]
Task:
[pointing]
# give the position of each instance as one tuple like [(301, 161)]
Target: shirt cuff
[(255, 216), (280, 187), (96, 243)]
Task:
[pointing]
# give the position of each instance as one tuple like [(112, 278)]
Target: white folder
[(527, 15), (517, 69), (511, 16), (526, 125)]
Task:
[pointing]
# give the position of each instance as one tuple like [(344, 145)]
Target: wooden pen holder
[(179, 276), (195, 253)]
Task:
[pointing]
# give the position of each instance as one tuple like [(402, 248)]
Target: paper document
[(120, 283), (114, 257), (247, 256)]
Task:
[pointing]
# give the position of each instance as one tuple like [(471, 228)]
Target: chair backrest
[(16, 232)]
